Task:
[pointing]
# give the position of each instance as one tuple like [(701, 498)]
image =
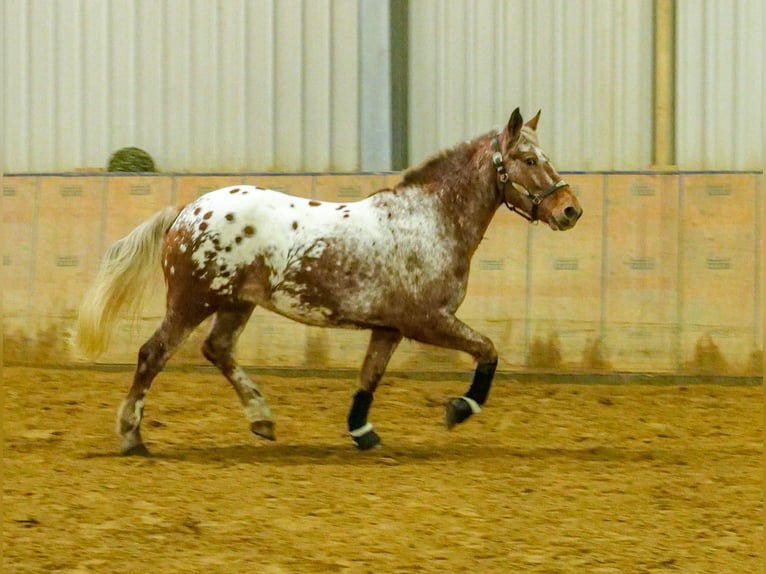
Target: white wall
[(719, 111), (586, 63), (220, 85), (589, 65), (284, 85)]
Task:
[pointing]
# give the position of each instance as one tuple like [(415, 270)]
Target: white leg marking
[(473, 404), (361, 431), (257, 410), (130, 420)]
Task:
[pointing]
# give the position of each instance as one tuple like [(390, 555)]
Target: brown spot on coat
[(295, 225), (249, 231), (235, 190), (202, 226), (196, 211), (340, 207), (208, 215), (229, 217), (313, 203)]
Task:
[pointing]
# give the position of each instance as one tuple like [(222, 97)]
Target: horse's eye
[(530, 161)]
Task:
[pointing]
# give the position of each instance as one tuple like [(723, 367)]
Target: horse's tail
[(126, 270)]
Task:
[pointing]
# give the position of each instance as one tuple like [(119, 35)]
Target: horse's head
[(530, 184)]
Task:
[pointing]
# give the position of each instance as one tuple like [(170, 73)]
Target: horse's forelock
[(529, 135)]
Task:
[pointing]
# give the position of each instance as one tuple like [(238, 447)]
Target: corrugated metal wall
[(586, 63), (719, 89), (263, 85), (222, 85)]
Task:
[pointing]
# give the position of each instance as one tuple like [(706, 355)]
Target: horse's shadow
[(400, 454)]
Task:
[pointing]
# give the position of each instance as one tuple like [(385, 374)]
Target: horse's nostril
[(571, 213)]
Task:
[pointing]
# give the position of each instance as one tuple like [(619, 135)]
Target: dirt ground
[(548, 478)]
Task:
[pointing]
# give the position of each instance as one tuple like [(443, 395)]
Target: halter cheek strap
[(503, 178)]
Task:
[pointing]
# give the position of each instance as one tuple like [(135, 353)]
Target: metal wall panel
[(264, 85), (202, 85), (719, 92), (586, 63)]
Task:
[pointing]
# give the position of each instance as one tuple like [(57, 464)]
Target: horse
[(395, 263)]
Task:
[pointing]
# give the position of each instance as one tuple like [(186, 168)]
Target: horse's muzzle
[(566, 218)]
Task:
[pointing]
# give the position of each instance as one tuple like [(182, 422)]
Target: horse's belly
[(361, 292), (293, 306), (322, 297)]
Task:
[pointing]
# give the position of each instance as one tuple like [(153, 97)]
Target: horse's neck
[(466, 187), (472, 210)]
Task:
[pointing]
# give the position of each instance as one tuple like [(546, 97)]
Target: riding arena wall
[(661, 276)]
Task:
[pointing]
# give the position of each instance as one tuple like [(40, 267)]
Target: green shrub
[(131, 159)]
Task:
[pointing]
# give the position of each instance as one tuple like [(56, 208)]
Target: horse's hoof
[(264, 429), (458, 410), (136, 450), (367, 441)]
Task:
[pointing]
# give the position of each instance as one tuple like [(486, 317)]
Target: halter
[(504, 178)]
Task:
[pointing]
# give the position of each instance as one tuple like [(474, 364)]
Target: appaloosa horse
[(396, 263)]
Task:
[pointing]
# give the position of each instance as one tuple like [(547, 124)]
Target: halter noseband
[(504, 178)]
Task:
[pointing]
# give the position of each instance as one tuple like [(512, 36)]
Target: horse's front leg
[(448, 331), (460, 408), (383, 343)]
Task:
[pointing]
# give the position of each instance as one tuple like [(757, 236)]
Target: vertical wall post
[(375, 85), (400, 82), (664, 84)]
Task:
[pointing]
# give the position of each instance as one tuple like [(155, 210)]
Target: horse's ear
[(533, 122), (514, 126)]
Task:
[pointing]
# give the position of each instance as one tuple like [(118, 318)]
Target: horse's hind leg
[(219, 350), (383, 343), (152, 357)]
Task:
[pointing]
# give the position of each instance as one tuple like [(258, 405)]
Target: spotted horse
[(396, 263)]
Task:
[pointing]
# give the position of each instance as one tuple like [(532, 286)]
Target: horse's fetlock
[(360, 407), (257, 410)]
